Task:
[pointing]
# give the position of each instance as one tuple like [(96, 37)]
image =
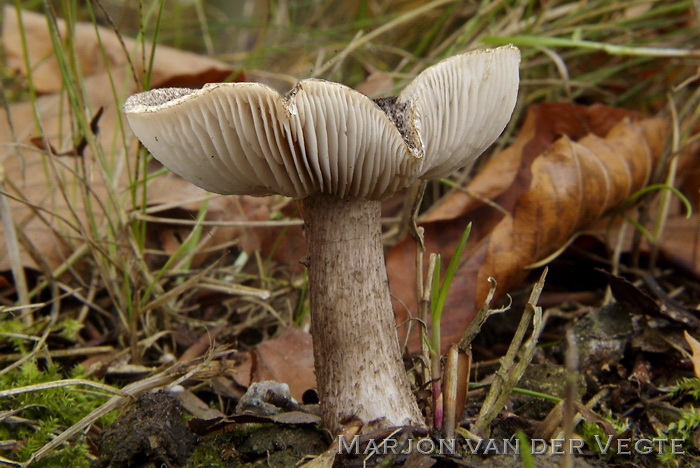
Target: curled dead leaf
[(569, 166)]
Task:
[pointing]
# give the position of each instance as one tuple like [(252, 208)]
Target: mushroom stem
[(358, 363)]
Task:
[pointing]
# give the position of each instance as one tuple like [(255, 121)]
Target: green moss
[(207, 455), (43, 414)]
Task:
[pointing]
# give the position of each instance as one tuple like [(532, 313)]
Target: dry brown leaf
[(550, 188), (48, 222), (288, 358), (683, 244), (284, 244), (377, 84), (171, 67), (507, 173), (573, 183)]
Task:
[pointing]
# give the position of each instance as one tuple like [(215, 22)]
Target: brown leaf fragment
[(195, 406), (548, 428), (79, 148), (92, 45), (289, 359), (377, 83), (640, 301), (591, 416), (681, 245), (633, 299), (695, 350), (205, 342)]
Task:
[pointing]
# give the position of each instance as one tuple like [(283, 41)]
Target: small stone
[(266, 398)]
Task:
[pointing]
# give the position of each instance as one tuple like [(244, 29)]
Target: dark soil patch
[(151, 430)]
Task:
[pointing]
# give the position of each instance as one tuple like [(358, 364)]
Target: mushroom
[(341, 153)]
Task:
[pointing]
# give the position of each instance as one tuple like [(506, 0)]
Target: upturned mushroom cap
[(464, 103), (244, 138)]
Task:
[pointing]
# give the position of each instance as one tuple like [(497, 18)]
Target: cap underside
[(244, 138)]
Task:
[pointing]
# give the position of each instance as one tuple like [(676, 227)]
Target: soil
[(151, 430)]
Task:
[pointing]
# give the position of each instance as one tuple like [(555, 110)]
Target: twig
[(571, 396), (484, 313), (509, 373)]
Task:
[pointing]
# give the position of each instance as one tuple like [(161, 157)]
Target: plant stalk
[(359, 370)]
